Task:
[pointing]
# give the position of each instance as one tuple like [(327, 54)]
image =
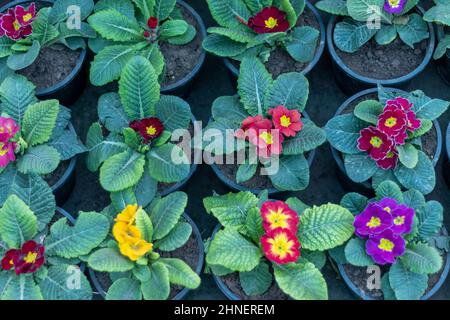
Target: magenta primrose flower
[(385, 247), (373, 220), (8, 129)]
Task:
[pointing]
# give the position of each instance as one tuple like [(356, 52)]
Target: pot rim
[(386, 82)]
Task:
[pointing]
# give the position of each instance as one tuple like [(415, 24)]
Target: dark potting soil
[(189, 253), (429, 140), (385, 62), (181, 60), (52, 66), (280, 61), (56, 175), (358, 276), (232, 282)]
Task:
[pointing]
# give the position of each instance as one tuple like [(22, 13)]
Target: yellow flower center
[(390, 122), (376, 142), (386, 245), (271, 23), (285, 121), (11, 262), (394, 3), (30, 257), (281, 245), (151, 130), (27, 17), (399, 220), (16, 25), (390, 155), (387, 209), (2, 129), (267, 137), (3, 151), (374, 222), (277, 219)]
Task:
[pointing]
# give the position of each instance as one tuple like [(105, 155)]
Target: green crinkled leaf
[(364, 10), (144, 224), (350, 35), (180, 273), (369, 111), (343, 133), (168, 163), (113, 25), (256, 281), (421, 177), (389, 189), (60, 9), (223, 46), (290, 90), (246, 171), (174, 113), (123, 198), (407, 285), (386, 35), (301, 281), (18, 223), (21, 287), (354, 202), (16, 94), (65, 282), (231, 209), (253, 82), (19, 61), (309, 138), (111, 113), (325, 227), (229, 110), (68, 145), (292, 174), (231, 250), (39, 120), (439, 13), (158, 287), (173, 28), (414, 199), (408, 155), (163, 8), (318, 258), (122, 171), (297, 205), (108, 64), (109, 260), (303, 43), (427, 108), (176, 238), (431, 217), (355, 253), (166, 213), (145, 6), (227, 13), (237, 35), (422, 259), (359, 167), (388, 293), (124, 289), (185, 38), (414, 31), (253, 227), (336, 7), (89, 230)]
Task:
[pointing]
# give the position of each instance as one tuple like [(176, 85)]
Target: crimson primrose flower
[(30, 258), (255, 123), (277, 214), (393, 122), (394, 6), (16, 23), (385, 247), (267, 142), (404, 104), (152, 22), (287, 121), (373, 220), (388, 162), (281, 246), (148, 128), (375, 142), (269, 20), (8, 259)]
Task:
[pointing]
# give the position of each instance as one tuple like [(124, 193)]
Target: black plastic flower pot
[(234, 71), (351, 82), (63, 188), (365, 187), (447, 158), (183, 86), (362, 295), (443, 64), (69, 89), (198, 269), (233, 185)]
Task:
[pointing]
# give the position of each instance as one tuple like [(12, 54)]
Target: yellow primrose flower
[(123, 232), (128, 215), (135, 248)]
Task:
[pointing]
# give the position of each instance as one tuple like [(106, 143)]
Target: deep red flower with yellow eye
[(25, 16), (287, 121), (375, 142), (30, 258), (388, 162), (392, 121), (267, 142), (8, 259), (152, 22), (269, 20), (277, 214), (16, 23), (281, 246), (148, 128)]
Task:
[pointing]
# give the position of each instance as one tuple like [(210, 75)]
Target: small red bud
[(152, 22), (146, 34)]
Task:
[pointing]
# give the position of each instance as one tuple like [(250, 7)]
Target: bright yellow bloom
[(135, 248), (123, 232), (128, 215)]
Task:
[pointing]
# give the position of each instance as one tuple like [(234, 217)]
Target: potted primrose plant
[(166, 32), (264, 124), (386, 134), (41, 264), (377, 42), (131, 143), (42, 41), (400, 235), (439, 14), (149, 255), (266, 249), (38, 143), (287, 35)]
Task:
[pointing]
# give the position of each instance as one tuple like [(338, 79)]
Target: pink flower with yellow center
[(281, 246), (287, 121), (256, 123), (8, 129), (7, 153), (269, 20), (375, 142), (277, 214), (373, 220), (267, 142)]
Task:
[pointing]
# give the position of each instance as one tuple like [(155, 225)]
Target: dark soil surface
[(213, 81), (52, 66), (181, 60), (56, 175), (385, 62), (233, 283), (258, 182), (280, 61)]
